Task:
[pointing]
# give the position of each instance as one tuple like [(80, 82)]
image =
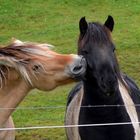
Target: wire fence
[(62, 106), (68, 126)]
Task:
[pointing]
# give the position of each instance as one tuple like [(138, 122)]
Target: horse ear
[(109, 23), (17, 42), (83, 25)]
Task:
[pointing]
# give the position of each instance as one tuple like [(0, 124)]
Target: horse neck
[(94, 96), (10, 96)]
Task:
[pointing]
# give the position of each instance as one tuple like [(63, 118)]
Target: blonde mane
[(19, 55)]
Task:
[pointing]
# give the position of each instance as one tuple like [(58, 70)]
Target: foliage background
[(56, 22)]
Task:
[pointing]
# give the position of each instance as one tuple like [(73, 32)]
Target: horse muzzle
[(109, 88), (78, 68)]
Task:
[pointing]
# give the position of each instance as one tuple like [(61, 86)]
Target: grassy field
[(56, 22)]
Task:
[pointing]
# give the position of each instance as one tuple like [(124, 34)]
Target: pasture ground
[(56, 22)]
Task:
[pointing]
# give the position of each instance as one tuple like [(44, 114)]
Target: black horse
[(104, 84)]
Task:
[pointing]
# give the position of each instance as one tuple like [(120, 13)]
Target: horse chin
[(79, 78), (108, 88), (109, 92)]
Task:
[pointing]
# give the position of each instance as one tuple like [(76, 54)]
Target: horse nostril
[(77, 68), (80, 65)]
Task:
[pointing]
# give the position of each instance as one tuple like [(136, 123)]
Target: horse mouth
[(109, 92)]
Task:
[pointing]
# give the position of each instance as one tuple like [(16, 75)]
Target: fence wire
[(61, 106), (68, 126)]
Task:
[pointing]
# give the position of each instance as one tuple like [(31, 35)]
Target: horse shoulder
[(130, 82), (132, 99), (72, 113)]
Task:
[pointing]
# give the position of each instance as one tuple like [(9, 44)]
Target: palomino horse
[(25, 66), (104, 85)]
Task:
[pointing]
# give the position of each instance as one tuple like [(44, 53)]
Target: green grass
[(56, 22)]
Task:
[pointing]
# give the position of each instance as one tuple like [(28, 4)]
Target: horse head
[(39, 66), (96, 45)]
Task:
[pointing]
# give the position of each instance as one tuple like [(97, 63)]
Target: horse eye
[(36, 67), (85, 52)]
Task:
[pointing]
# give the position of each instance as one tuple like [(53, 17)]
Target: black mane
[(97, 33)]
